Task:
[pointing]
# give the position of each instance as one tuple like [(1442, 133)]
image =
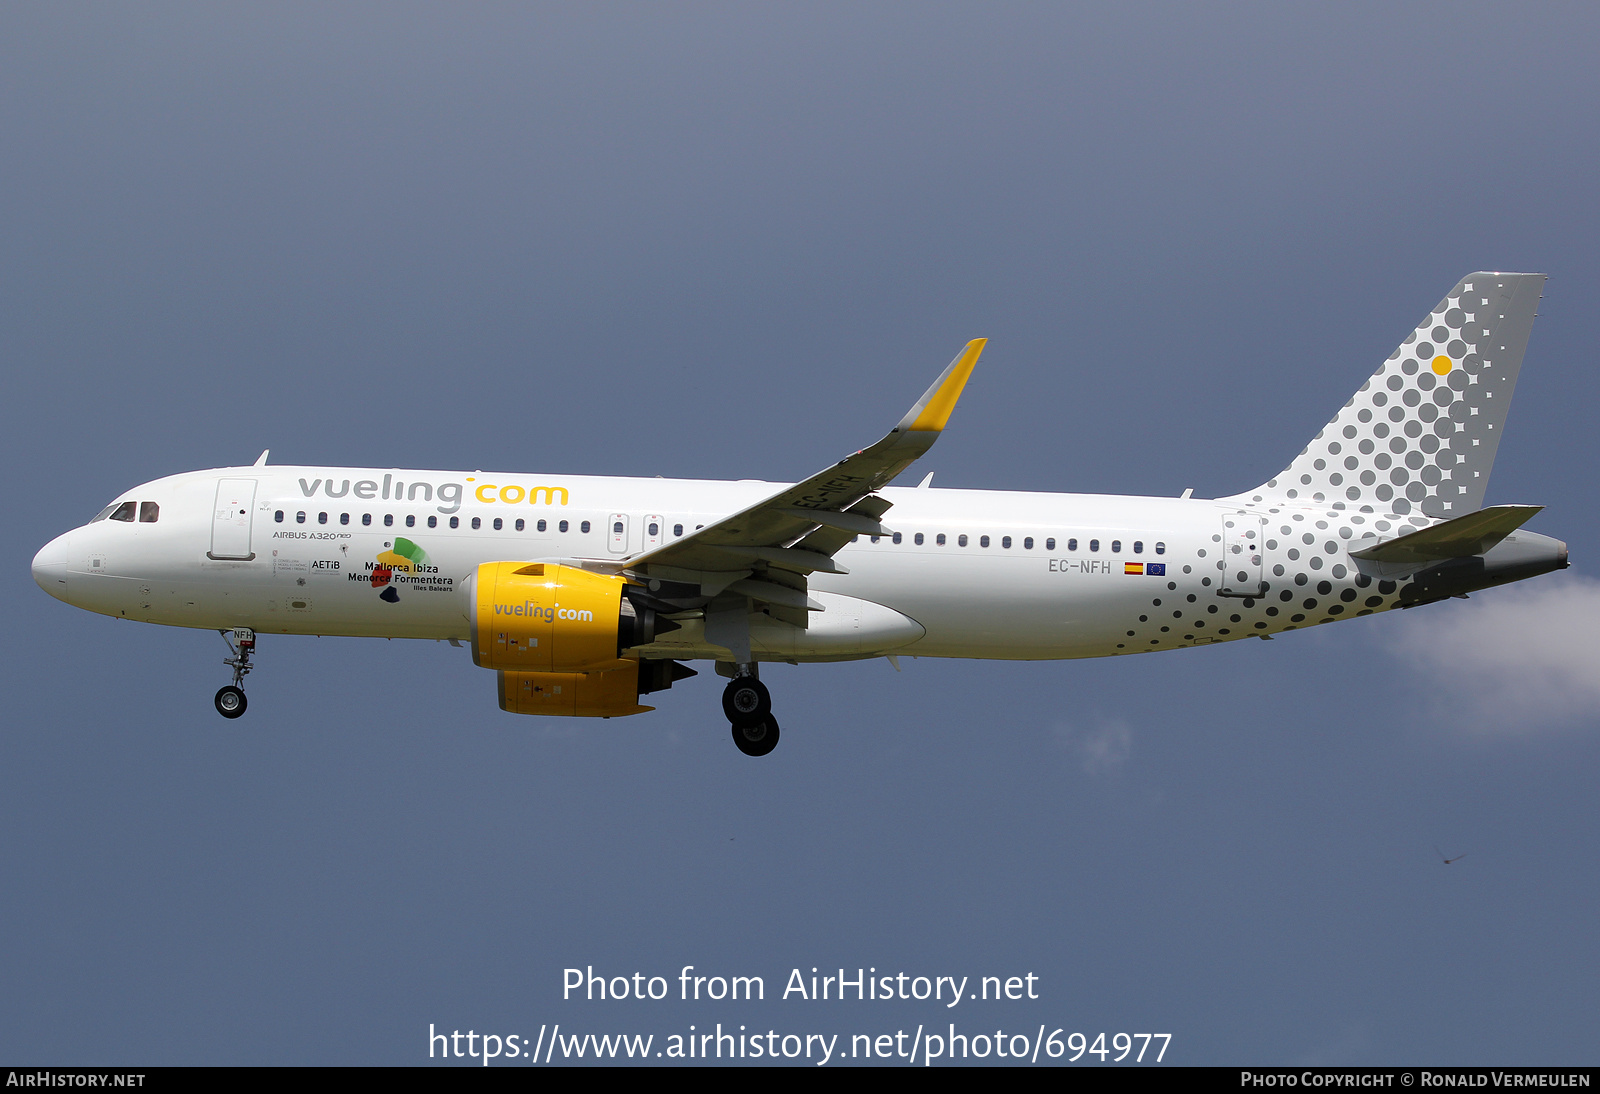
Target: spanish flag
[(1133, 568)]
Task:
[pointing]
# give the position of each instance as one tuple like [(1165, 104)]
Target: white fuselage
[(985, 574)]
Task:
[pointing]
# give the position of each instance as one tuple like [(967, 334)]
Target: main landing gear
[(748, 705), (230, 701)]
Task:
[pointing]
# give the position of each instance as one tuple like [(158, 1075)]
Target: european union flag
[(1156, 569)]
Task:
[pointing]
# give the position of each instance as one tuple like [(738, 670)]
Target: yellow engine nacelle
[(607, 694), (540, 617)]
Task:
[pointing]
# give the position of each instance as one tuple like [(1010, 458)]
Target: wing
[(766, 551)]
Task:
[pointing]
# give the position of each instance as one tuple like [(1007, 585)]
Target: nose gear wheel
[(230, 702)]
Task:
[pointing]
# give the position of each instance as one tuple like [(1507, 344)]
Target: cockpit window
[(149, 512), (124, 511), (104, 513)]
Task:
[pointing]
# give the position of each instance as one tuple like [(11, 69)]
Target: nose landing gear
[(748, 705), (230, 701)]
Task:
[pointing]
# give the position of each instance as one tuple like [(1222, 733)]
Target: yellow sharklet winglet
[(810, 521), (933, 409)]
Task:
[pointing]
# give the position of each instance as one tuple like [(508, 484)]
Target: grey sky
[(731, 241)]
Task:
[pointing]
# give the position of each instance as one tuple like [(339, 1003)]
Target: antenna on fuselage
[(261, 460)]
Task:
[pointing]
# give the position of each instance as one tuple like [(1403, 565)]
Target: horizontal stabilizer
[(1463, 537)]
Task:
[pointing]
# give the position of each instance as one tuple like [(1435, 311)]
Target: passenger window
[(584, 527), (1161, 548), (563, 526), (1005, 541), (1116, 546), (278, 516), (896, 537), (1072, 544), (455, 522), (1094, 545), (344, 518), (433, 522), (322, 518), (366, 518), (917, 539), (961, 541), (655, 529), (411, 520), (1050, 544), (1138, 546), (477, 522), (1027, 544), (677, 529), (498, 524), (521, 524), (616, 529), (983, 541), (939, 539), (388, 520), (299, 518), (542, 526)]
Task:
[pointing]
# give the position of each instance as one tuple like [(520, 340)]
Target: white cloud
[(1101, 747), (1510, 658)]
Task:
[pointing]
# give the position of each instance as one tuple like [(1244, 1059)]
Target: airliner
[(585, 594)]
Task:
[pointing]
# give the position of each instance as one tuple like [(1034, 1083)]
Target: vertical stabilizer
[(1421, 434)]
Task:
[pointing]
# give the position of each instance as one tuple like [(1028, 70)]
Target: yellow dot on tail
[(1442, 365)]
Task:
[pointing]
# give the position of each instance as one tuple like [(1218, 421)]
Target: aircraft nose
[(50, 568)]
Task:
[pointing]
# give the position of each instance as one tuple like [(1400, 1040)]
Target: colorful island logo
[(405, 558)]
